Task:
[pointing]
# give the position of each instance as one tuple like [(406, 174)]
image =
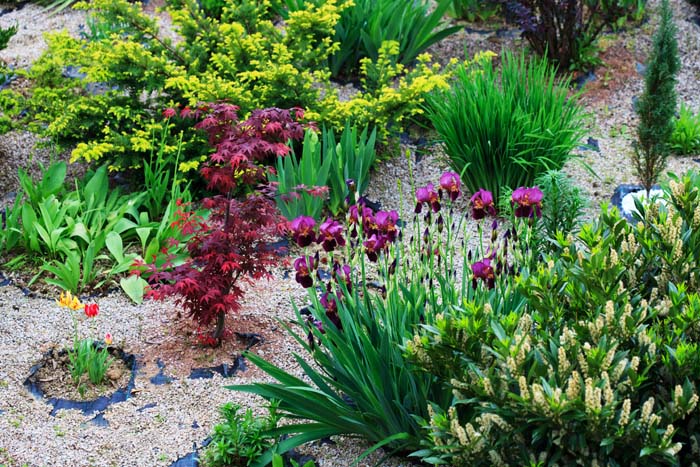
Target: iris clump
[(377, 292)]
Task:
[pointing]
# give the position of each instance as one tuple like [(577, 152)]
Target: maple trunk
[(219, 331)]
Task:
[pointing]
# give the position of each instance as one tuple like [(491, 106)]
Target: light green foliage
[(134, 73), (393, 93), (364, 25), (685, 138), (82, 235), (84, 358), (504, 131), (295, 179), (278, 461), (657, 105), (241, 438), (600, 362)]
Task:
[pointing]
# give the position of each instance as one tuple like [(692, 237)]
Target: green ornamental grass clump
[(502, 130)]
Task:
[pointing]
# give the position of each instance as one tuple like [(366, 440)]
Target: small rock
[(114, 374)]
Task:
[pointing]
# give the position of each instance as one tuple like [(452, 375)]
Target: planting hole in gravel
[(51, 380)]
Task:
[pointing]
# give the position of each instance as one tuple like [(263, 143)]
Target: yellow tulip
[(69, 301)]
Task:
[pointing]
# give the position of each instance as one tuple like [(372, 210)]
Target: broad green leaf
[(134, 287)]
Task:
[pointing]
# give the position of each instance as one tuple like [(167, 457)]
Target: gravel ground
[(161, 423)]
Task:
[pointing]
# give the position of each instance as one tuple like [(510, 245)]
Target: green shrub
[(111, 113), (600, 364), (241, 438), (475, 10), (566, 32), (657, 105), (685, 138), (504, 131)]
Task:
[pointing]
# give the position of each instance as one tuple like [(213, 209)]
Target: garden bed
[(167, 413)]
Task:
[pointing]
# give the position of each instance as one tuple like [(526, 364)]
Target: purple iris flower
[(330, 234), (303, 230), (450, 182), (527, 201), (482, 204), (482, 270), (303, 270), (427, 195)]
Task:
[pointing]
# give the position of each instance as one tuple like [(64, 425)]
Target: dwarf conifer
[(657, 106)]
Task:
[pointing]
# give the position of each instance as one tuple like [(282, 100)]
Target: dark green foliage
[(365, 26), (504, 131), (6, 34), (657, 105), (241, 438)]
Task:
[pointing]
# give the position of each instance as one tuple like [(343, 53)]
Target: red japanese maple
[(233, 243)]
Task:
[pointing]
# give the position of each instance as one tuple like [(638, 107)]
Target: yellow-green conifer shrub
[(109, 106)]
